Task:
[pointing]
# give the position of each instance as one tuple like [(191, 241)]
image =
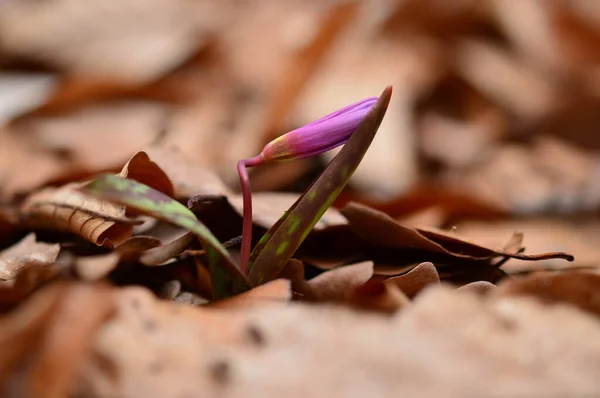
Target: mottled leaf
[(281, 241), (226, 277)]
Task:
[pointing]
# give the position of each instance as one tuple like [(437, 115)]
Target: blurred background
[(493, 125)]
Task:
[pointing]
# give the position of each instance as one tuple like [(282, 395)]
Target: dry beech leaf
[(478, 287), (499, 345), (52, 367), (100, 222), (67, 209), (100, 41), (46, 339), (26, 252), (378, 296), (189, 177), (381, 230), (144, 170), (21, 330), (277, 291), (416, 279), (160, 254), (113, 131), (94, 268), (268, 207), (579, 288), (335, 285)]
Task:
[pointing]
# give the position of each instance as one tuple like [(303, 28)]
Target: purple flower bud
[(319, 136)]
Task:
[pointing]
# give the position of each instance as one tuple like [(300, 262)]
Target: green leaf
[(227, 279), (281, 241)]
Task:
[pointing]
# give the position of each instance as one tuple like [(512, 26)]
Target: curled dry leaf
[(335, 285), (144, 170), (160, 254), (67, 209), (25, 253), (579, 288), (416, 279), (100, 222)]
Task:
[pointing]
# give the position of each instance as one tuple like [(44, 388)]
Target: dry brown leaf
[(478, 287), (49, 337), (160, 254), (416, 279), (27, 252), (581, 289), (67, 209), (97, 136), (268, 207), (335, 285), (275, 292), (21, 330), (381, 230), (188, 176), (99, 40), (95, 268), (144, 170), (468, 346), (379, 296), (541, 235)]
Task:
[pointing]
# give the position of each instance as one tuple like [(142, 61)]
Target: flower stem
[(247, 213)]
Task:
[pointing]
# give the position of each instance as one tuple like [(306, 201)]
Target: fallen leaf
[(153, 48), (335, 285), (144, 170), (416, 279), (478, 287), (49, 337), (277, 291), (159, 255), (189, 178), (25, 253), (482, 342), (95, 268), (579, 288), (67, 209), (269, 207), (381, 230)]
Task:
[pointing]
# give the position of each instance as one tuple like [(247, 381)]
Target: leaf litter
[(466, 233)]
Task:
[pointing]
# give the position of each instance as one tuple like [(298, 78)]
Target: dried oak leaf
[(188, 176), (26, 252), (268, 207), (416, 279), (67, 209), (100, 40), (44, 355), (100, 222), (277, 291), (447, 344), (579, 288), (381, 230), (335, 285), (478, 287)]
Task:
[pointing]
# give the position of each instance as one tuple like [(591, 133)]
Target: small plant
[(354, 125)]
